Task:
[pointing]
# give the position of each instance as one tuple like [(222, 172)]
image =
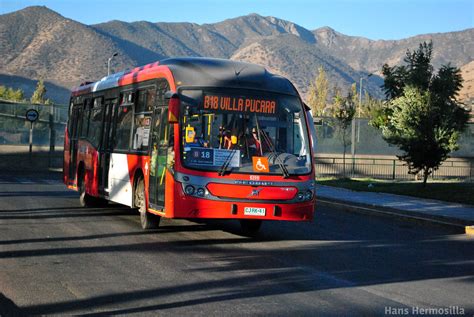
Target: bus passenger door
[(158, 158), (106, 145)]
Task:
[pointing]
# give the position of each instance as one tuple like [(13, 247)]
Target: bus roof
[(198, 72), (211, 72)]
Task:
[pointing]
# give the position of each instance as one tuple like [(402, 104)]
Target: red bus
[(193, 138)]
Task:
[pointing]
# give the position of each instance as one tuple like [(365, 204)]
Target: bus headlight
[(308, 195), (189, 190), (300, 196), (200, 192)]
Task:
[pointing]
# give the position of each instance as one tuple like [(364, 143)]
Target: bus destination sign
[(240, 104)]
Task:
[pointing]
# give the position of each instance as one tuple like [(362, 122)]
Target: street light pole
[(360, 105), (360, 99), (108, 63)]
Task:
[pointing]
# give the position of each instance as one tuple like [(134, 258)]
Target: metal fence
[(369, 141), (47, 130), (47, 137), (384, 168), (375, 158)]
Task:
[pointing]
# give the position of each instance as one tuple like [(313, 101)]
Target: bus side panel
[(120, 186), (88, 156), (170, 194), (139, 162)]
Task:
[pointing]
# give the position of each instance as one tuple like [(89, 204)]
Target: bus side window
[(85, 118), (146, 100), (124, 118), (70, 118), (142, 120), (74, 120), (95, 122), (163, 87)]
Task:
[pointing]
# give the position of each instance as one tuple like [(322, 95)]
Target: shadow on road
[(106, 236), (8, 308), (264, 268), (47, 193), (274, 271)]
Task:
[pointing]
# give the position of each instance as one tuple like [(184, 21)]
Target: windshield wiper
[(266, 138), (280, 163), (228, 159)]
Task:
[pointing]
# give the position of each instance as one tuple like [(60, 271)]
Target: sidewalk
[(440, 212)]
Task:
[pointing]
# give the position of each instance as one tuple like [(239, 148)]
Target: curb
[(457, 225)]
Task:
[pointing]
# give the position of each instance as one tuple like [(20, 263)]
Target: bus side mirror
[(173, 106)]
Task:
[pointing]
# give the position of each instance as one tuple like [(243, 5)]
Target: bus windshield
[(243, 132)]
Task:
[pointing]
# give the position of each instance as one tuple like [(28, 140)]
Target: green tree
[(16, 95), (418, 72), (422, 117), (3, 92), (39, 96), (8, 93), (371, 106), (354, 96), (318, 93), (343, 112)]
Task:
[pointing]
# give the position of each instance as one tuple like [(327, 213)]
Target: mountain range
[(37, 42)]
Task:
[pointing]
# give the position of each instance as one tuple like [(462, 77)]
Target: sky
[(374, 19)]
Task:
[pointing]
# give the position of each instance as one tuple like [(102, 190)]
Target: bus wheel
[(147, 220), (85, 200), (250, 227)]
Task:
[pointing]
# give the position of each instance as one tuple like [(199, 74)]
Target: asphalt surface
[(58, 258)]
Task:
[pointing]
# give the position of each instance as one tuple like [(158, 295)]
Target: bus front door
[(158, 159), (106, 145)]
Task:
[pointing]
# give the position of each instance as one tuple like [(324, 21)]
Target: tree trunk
[(344, 145), (425, 175), (344, 163)]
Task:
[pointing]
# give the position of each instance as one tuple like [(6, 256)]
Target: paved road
[(57, 258)]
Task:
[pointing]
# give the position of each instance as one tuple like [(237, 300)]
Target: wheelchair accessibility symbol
[(260, 164)]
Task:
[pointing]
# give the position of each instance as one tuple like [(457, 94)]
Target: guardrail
[(388, 168)]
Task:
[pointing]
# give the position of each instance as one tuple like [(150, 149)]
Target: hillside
[(467, 92), (291, 56), (367, 55), (216, 40), (37, 42)]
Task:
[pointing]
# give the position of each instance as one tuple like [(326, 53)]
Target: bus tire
[(147, 220), (85, 200), (250, 227)]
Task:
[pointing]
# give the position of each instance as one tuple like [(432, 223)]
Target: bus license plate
[(252, 211)]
